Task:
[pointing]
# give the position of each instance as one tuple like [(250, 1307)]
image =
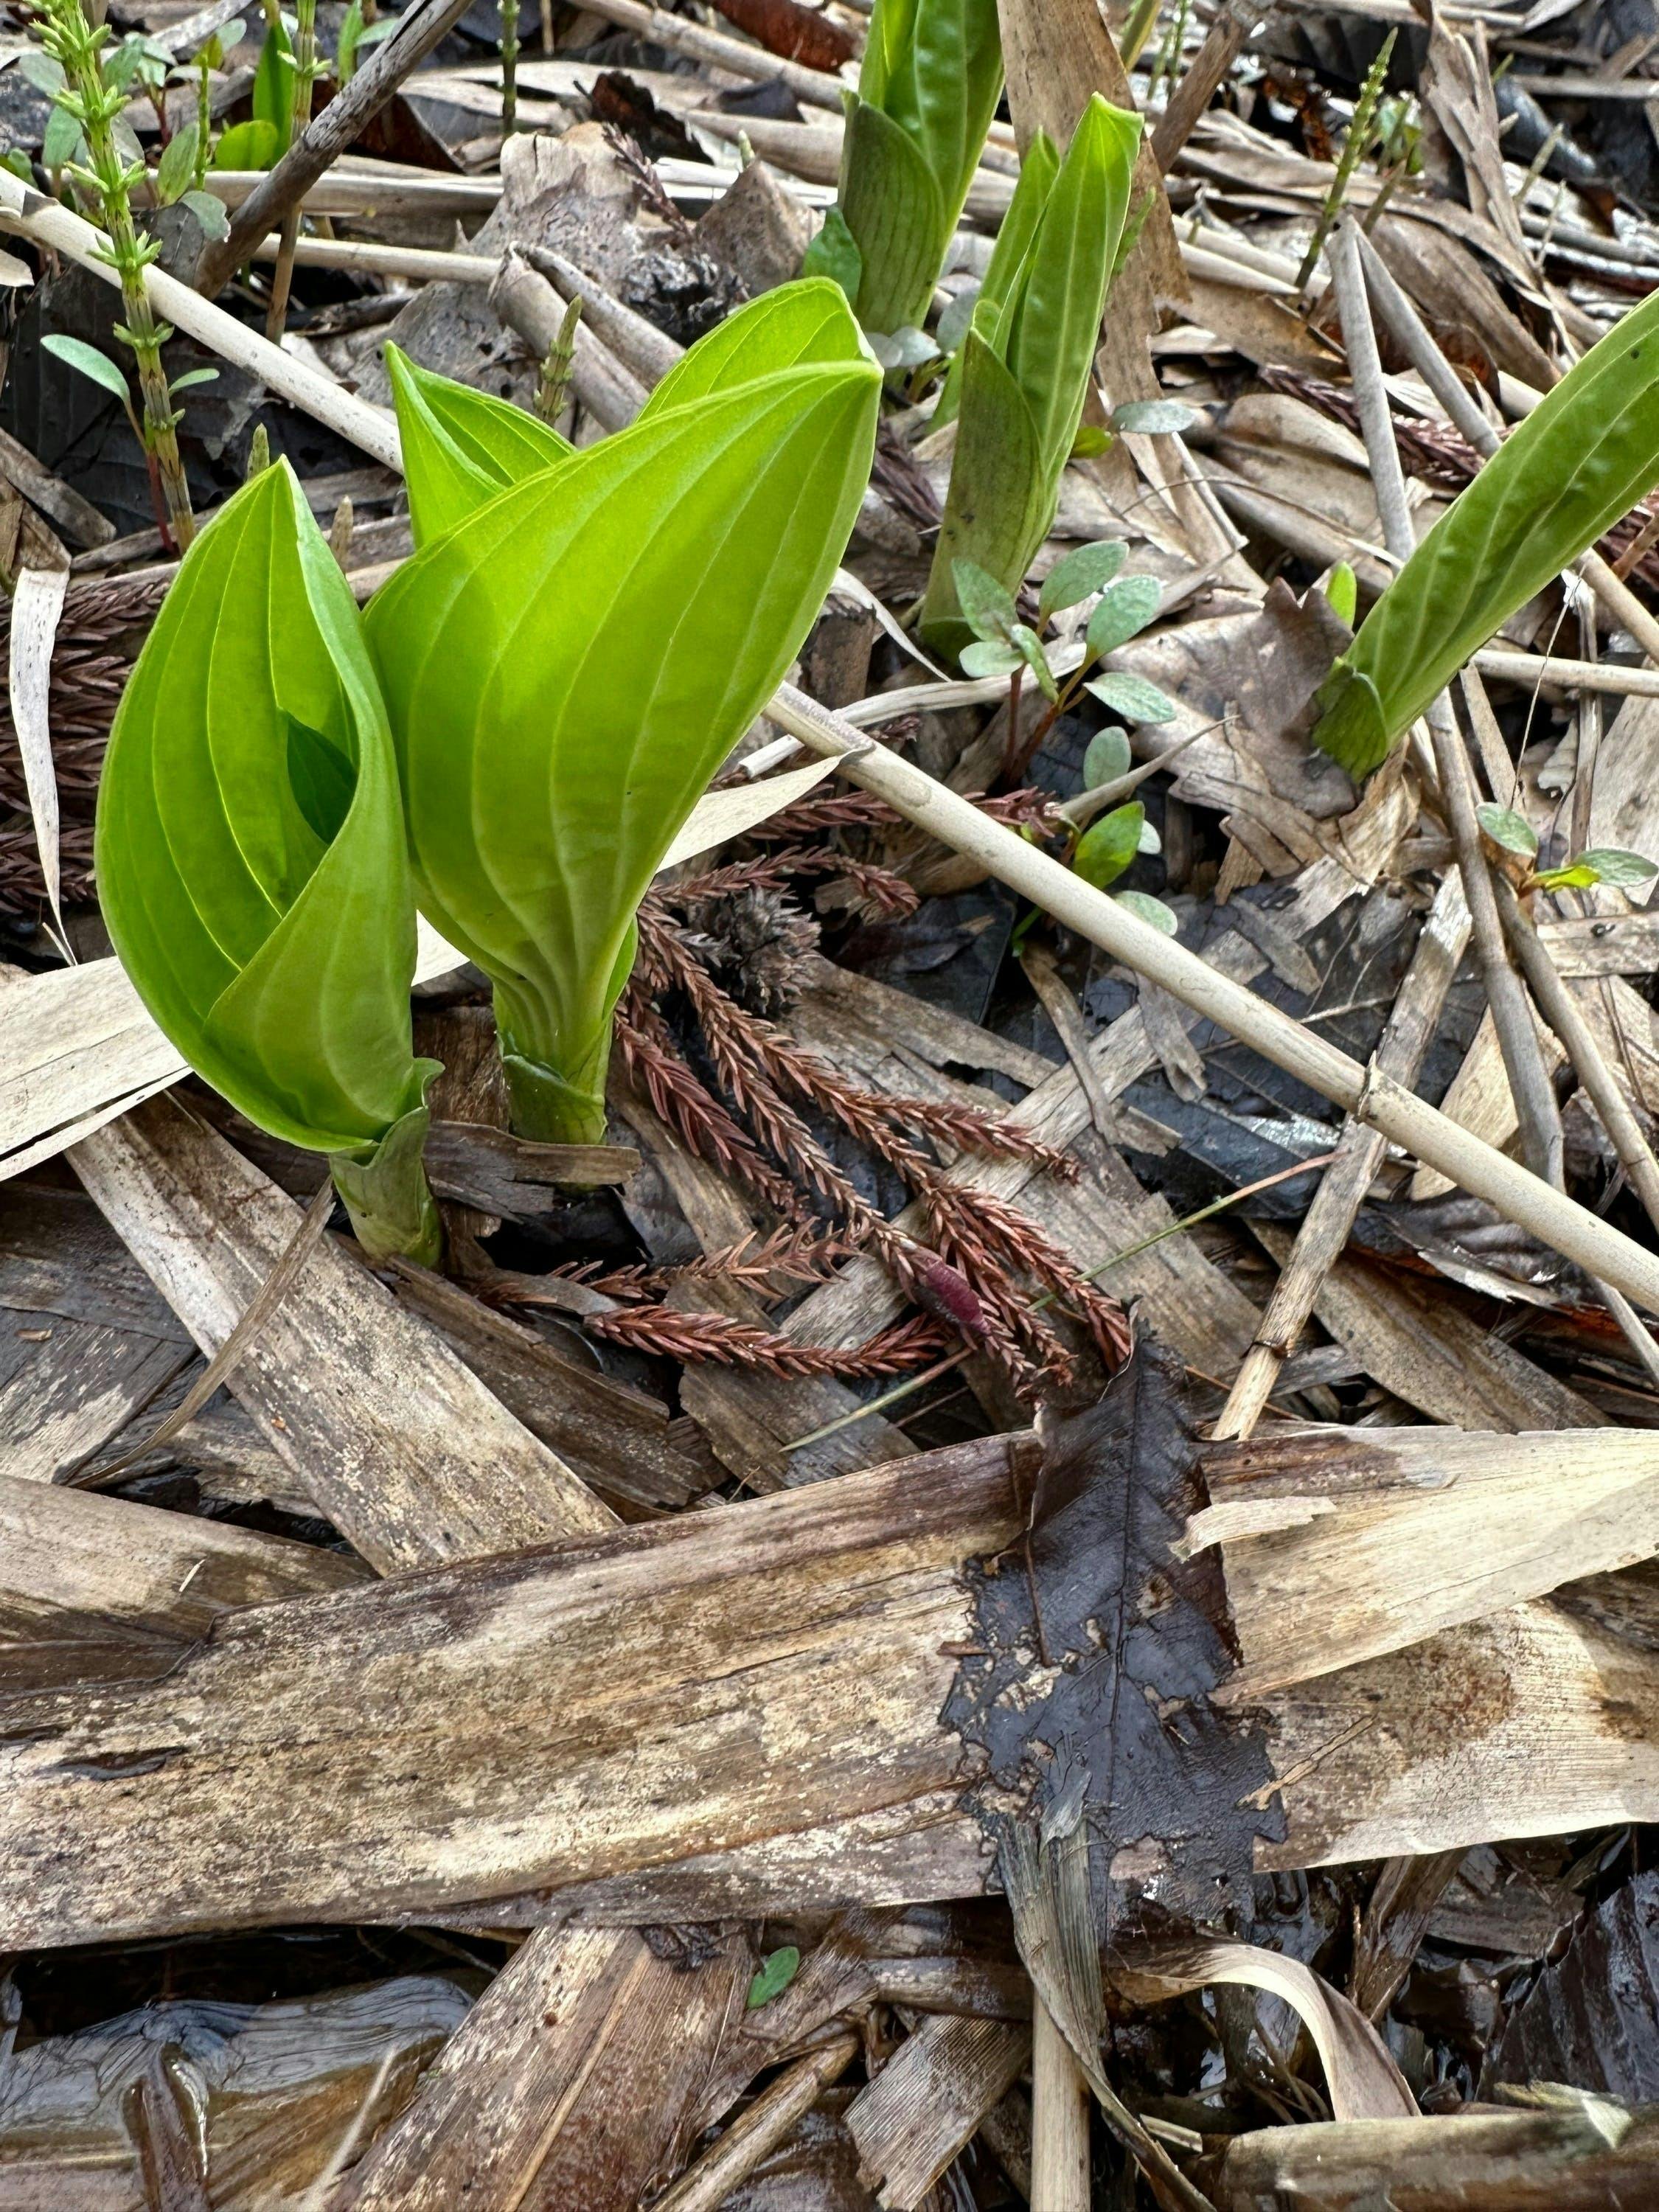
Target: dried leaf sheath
[(565, 669), (250, 851)]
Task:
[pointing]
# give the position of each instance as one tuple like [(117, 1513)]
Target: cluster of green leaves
[(929, 86), (136, 63), (1026, 360), (1580, 460), (1002, 645), (1599, 863), (511, 738)]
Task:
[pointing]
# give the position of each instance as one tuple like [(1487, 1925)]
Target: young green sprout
[(250, 857), (566, 660), (928, 88), (1026, 362)]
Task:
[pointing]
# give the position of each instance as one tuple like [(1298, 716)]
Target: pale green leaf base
[(388, 1197), (550, 1108)]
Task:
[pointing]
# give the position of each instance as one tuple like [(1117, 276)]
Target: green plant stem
[(1354, 149), (554, 1106), (1141, 22), (554, 382), (386, 1194), (204, 122), (509, 14), (305, 72), (95, 105)]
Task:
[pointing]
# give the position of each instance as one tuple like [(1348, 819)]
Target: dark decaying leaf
[(1592, 2017), (1101, 1650)]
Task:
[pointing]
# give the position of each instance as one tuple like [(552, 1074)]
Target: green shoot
[(1355, 147), (91, 104)]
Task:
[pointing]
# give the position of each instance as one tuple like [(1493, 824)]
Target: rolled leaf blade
[(798, 325), (997, 513), (461, 445), (891, 205), (1580, 460), (276, 961)]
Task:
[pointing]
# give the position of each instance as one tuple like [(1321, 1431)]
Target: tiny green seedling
[(1026, 361), (1513, 835), (775, 1972)]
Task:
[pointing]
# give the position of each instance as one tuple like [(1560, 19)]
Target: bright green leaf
[(1107, 757), (273, 86), (1505, 828), (835, 254), (1133, 697), (461, 446), (994, 513), (91, 363), (1078, 574), (1125, 609), (1039, 166), (277, 958), (255, 145), (565, 668), (890, 204), (1580, 460), (1575, 877), (1342, 593), (193, 376), (1613, 864), (1107, 846), (777, 1970)]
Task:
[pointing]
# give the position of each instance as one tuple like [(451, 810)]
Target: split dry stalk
[(1512, 1014), (1329, 1219), (728, 2163)]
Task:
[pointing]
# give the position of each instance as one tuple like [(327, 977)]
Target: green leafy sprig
[(90, 101)]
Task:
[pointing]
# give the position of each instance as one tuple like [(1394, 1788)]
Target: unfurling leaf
[(1125, 609), (1107, 757), (273, 84), (929, 84), (1580, 460), (1026, 364), (1613, 864), (1505, 828), (777, 1970), (554, 729), (835, 254), (461, 445), (1133, 697), (249, 847), (1078, 574), (1108, 847)]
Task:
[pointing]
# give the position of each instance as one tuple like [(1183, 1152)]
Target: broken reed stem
[(1561, 1010), (1062, 2107), (1512, 1015), (728, 2163), (95, 104), (1422, 1130), (1329, 1219)]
